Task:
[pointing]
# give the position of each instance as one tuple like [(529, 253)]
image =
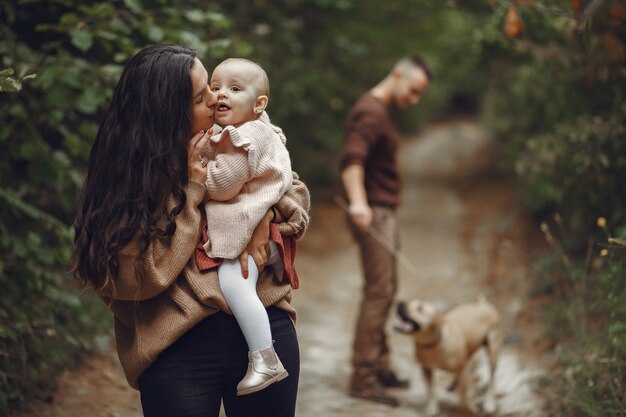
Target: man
[(369, 172)]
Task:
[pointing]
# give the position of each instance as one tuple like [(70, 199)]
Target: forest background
[(546, 78)]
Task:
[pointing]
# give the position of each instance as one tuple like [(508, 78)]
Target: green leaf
[(89, 101), (10, 85), (14, 200), (20, 249), (28, 149), (105, 34), (69, 19), (617, 241), (134, 5), (6, 72), (216, 17), (82, 39), (33, 239), (8, 333), (616, 328), (191, 40), (196, 16), (155, 33)]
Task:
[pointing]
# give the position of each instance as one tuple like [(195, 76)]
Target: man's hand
[(359, 211), (361, 215)]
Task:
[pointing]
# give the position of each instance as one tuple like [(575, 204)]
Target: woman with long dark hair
[(138, 228)]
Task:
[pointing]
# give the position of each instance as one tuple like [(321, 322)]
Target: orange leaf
[(513, 23), (493, 3), (576, 7), (617, 13), (613, 48)]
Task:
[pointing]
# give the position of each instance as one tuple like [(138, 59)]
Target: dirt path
[(460, 229)]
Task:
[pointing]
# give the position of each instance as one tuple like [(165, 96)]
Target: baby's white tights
[(241, 296)]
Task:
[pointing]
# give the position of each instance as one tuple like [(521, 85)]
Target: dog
[(448, 340)]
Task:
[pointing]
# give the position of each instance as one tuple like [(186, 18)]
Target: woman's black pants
[(193, 376)]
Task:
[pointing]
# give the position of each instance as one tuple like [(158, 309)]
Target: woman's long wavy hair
[(138, 159)]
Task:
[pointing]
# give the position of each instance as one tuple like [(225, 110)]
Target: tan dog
[(448, 340)]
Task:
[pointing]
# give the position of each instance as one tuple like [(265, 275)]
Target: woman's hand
[(258, 247), (196, 164)]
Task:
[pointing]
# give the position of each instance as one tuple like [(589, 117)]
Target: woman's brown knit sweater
[(153, 311)]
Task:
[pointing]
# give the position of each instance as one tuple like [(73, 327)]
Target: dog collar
[(432, 343)]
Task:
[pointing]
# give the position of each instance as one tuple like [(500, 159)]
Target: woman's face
[(203, 100)]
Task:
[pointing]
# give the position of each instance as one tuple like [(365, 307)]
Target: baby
[(248, 171)]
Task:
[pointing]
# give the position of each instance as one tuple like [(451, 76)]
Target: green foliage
[(554, 98), (578, 167), (588, 319), (556, 103), (9, 84), (42, 321)]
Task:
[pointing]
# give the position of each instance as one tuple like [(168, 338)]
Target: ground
[(462, 233)]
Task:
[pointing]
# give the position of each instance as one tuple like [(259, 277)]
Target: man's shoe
[(389, 380), (373, 392)]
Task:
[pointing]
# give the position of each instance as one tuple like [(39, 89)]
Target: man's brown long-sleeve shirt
[(372, 140)]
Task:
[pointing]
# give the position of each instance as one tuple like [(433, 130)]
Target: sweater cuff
[(195, 192)]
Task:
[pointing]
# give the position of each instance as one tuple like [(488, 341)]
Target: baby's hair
[(265, 83), (410, 62)]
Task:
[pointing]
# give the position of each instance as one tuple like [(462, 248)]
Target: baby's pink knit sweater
[(248, 171)]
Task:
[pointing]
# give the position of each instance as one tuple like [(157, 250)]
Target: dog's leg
[(493, 342), (432, 406), (465, 402)]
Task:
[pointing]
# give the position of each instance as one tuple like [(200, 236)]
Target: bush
[(588, 318), (555, 102)]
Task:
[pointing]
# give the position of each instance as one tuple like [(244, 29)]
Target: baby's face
[(238, 85)]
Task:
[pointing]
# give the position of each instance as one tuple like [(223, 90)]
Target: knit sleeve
[(164, 259), (294, 206), (229, 170)]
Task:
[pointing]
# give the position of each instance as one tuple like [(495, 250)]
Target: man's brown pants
[(371, 353)]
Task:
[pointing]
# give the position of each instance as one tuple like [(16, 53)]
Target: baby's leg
[(264, 366), (241, 296)]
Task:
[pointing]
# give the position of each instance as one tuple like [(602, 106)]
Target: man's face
[(409, 87), (237, 86)]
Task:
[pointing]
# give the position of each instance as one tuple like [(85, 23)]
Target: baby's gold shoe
[(264, 369)]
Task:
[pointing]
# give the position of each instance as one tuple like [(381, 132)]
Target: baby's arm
[(228, 171)]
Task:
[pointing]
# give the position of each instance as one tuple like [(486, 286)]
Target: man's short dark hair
[(416, 61)]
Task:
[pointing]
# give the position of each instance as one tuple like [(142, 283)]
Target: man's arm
[(353, 177)]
